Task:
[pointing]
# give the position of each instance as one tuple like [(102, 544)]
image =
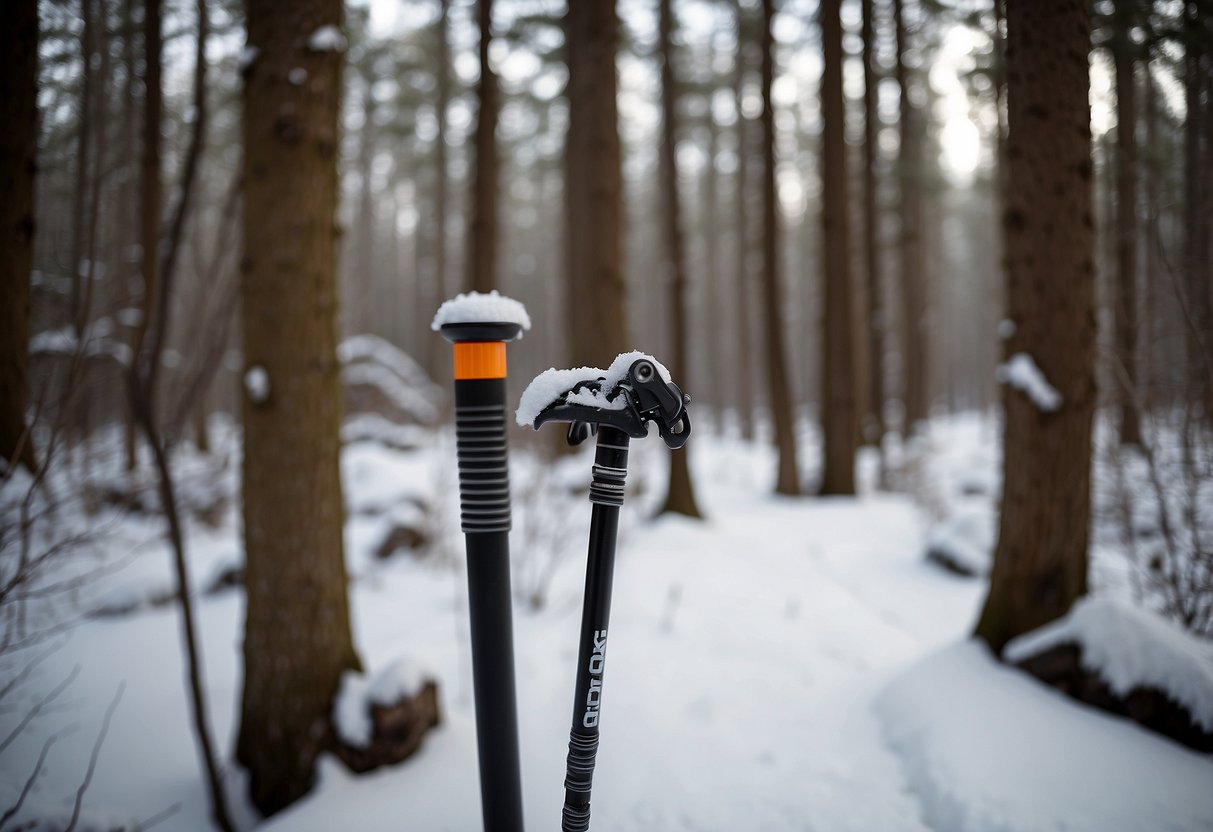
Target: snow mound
[(374, 362), (986, 747), (479, 308), (1021, 372), (551, 384), (964, 542), (395, 682), (1129, 647)]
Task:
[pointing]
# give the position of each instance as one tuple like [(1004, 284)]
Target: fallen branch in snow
[(1129, 661)]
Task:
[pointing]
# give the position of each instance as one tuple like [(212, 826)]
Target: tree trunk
[(741, 228), (483, 253), (83, 147), (431, 291), (297, 639), (127, 220), (1126, 231), (18, 152), (1153, 242), (838, 409), (712, 389), (1040, 565), (1197, 253), (873, 427), (914, 358), (596, 312), (680, 498), (788, 478)]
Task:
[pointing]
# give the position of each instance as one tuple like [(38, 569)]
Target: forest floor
[(787, 664)]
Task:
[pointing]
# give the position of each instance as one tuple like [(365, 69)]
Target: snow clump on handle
[(479, 308), (1021, 372), (547, 387)]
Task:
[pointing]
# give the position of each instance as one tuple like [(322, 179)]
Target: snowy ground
[(788, 664)]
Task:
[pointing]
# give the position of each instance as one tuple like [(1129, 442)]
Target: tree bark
[(1126, 230), (83, 146), (1040, 565), (839, 430), (741, 230), (914, 359), (596, 312), (788, 478), (873, 427), (18, 162), (711, 388), (680, 498), (1197, 264), (297, 639), (482, 262)]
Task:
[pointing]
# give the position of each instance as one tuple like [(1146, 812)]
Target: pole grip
[(480, 437)]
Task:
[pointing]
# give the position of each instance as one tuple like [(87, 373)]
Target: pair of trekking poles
[(617, 406)]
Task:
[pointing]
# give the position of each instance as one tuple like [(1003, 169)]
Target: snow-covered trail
[(783, 665)]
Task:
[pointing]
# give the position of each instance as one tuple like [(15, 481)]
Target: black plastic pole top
[(484, 490)]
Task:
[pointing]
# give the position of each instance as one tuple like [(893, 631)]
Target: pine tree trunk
[(839, 431), (741, 228), (914, 359), (1126, 233), (83, 148), (788, 478), (1040, 565), (596, 312), (680, 498), (18, 151), (483, 258), (711, 388), (297, 639), (1153, 243), (873, 427)]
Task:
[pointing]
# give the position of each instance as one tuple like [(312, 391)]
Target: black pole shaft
[(485, 501), (606, 493)]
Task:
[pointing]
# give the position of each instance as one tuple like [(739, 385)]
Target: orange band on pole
[(479, 359)]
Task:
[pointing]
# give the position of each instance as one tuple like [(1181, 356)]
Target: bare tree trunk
[(428, 296), (149, 195), (710, 383), (680, 498), (839, 431), (1126, 230), (127, 221), (1153, 242), (297, 639), (788, 478), (1040, 565), (83, 147), (482, 262), (18, 152), (1197, 203), (873, 427), (596, 319), (142, 388), (914, 359), (741, 228)]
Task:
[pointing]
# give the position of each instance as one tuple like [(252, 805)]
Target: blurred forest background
[(213, 210)]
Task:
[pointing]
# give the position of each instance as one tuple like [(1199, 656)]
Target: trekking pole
[(479, 326), (617, 404)]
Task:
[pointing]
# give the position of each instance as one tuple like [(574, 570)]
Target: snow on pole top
[(479, 308), (547, 387)]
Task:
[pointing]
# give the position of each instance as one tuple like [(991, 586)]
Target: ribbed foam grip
[(484, 482), (583, 752)]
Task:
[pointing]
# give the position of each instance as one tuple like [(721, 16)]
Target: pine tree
[(1040, 565), (297, 639)]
